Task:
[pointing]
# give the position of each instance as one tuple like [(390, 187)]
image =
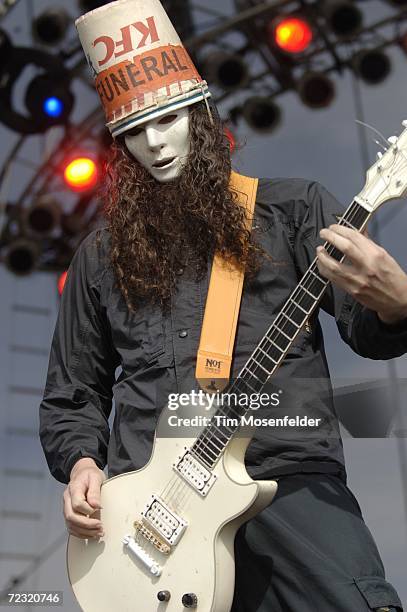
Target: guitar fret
[(230, 430), (291, 320), (250, 387), (267, 355), (306, 312), (201, 446), (210, 447), (276, 345), (343, 220), (203, 450), (251, 374), (231, 409), (216, 428), (315, 297), (318, 277), (283, 333), (214, 437), (260, 366)]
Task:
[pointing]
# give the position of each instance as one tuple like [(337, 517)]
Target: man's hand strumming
[(82, 499)]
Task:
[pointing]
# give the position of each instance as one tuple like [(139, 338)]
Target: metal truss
[(271, 74)]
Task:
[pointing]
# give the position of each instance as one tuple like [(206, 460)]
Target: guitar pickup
[(195, 473), (164, 521)]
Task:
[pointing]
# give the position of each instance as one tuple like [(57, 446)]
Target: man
[(134, 299)]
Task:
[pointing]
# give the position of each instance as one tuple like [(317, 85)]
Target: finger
[(332, 266), (343, 243), (342, 275), (84, 533), (78, 491), (93, 494), (75, 520), (359, 240)]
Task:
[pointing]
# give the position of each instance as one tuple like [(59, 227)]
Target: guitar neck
[(271, 350)]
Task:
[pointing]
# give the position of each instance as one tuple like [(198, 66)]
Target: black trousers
[(310, 551)]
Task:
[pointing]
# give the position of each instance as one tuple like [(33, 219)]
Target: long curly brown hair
[(157, 228)]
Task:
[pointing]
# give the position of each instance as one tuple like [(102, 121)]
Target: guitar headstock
[(387, 178)]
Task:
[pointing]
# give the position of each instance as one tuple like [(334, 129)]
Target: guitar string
[(348, 217), (209, 435), (168, 491), (201, 443), (185, 489), (289, 309), (292, 302)]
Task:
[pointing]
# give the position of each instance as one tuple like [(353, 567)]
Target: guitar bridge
[(141, 555), (151, 537)]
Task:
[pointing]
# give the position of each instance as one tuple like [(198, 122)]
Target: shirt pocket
[(378, 593), (139, 336)]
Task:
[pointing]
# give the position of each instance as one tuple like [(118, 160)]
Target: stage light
[(50, 27), (372, 66), (21, 257), (232, 140), (291, 34), (316, 90), (53, 107), (61, 281), (43, 216), (49, 100), (343, 18), (261, 114), (227, 70), (81, 174), (52, 79)]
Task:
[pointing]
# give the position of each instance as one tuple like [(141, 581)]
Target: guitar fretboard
[(271, 350)]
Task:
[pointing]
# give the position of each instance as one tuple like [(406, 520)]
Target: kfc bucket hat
[(140, 66)]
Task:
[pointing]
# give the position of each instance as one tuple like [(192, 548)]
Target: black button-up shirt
[(96, 334)]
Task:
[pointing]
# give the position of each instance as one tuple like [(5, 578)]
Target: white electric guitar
[(170, 527)]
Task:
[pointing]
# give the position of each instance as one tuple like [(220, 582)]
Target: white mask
[(165, 139)]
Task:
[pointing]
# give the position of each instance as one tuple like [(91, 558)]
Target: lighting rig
[(251, 58)]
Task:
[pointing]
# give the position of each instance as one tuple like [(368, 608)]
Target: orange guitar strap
[(218, 332)]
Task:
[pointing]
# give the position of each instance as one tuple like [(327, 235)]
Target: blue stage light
[(53, 107)]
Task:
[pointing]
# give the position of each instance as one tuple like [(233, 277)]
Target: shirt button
[(183, 333)]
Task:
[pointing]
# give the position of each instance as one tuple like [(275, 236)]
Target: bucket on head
[(140, 66)]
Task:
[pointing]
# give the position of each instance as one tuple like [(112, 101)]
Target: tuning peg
[(392, 139), (379, 155)]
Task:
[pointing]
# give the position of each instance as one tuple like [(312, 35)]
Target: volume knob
[(163, 596), (189, 600)]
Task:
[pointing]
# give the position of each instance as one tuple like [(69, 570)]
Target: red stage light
[(232, 140), (292, 34), (81, 174), (61, 281)]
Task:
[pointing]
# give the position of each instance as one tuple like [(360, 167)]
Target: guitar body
[(105, 575)]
